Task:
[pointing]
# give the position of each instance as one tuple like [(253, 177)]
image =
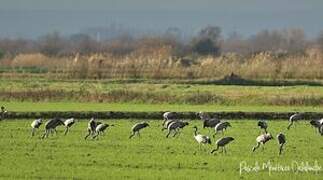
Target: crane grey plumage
[(262, 140), (137, 127), (281, 141), (318, 123), (211, 123), (176, 126), (3, 112), (315, 123), (201, 139), (222, 142), (91, 127), (221, 127), (68, 123), (169, 116), (35, 125), (293, 118), (263, 125), (100, 129), (207, 121), (51, 125), (167, 123)]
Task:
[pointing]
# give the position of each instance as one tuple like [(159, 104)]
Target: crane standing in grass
[(35, 125), (100, 129), (137, 127), (281, 141), (68, 123), (3, 112), (317, 124), (221, 127), (201, 139), (51, 125), (91, 127), (207, 121), (263, 125), (167, 123), (261, 140), (293, 118), (169, 116), (222, 142), (176, 126)]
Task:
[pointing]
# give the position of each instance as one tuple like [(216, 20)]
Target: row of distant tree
[(208, 41)]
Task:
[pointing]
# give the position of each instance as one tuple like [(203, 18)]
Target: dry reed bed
[(160, 64)]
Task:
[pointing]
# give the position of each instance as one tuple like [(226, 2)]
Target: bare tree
[(208, 41)]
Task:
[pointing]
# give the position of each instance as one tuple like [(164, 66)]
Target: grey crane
[(262, 124), (3, 112), (137, 127), (222, 142), (35, 125), (100, 129), (51, 125), (167, 123), (221, 127), (262, 140), (91, 127), (68, 123), (169, 116), (176, 126), (293, 118), (207, 121), (281, 141), (318, 123)]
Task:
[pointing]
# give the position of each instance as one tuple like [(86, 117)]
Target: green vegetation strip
[(134, 107)]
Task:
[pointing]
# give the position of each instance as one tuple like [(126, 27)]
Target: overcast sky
[(32, 18)]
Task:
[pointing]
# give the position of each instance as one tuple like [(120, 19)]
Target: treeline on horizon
[(208, 41), (269, 54)]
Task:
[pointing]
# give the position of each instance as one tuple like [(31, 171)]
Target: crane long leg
[(45, 134), (96, 135), (66, 130), (89, 133), (255, 147), (281, 149), (168, 133), (33, 132), (176, 131)]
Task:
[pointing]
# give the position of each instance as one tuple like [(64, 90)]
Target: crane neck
[(195, 131)]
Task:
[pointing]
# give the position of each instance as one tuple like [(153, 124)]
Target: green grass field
[(152, 156)]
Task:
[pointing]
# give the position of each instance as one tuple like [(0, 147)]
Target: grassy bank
[(159, 93), (132, 107)]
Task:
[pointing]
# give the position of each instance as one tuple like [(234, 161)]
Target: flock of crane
[(174, 125)]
